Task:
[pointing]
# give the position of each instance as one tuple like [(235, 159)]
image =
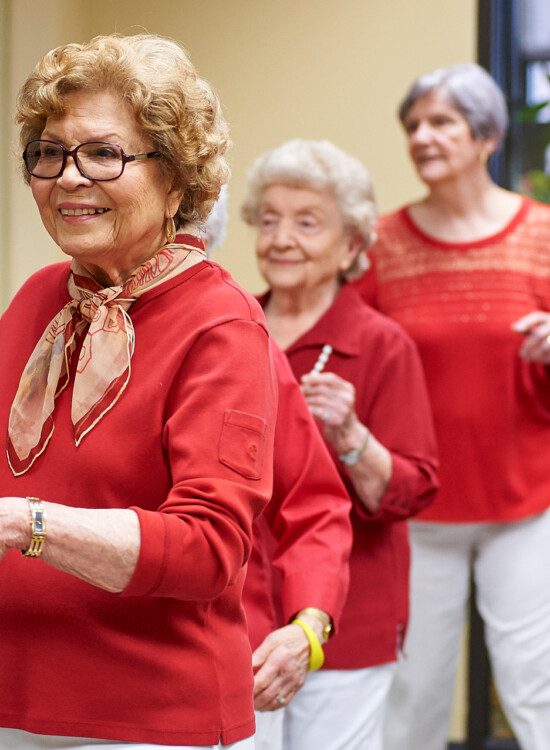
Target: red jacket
[(375, 354), (168, 661), (305, 531)]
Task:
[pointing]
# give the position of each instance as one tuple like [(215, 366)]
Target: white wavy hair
[(322, 166)]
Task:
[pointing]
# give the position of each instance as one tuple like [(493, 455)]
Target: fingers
[(536, 328), (530, 321), (261, 653), (536, 347), (331, 399), (284, 669)]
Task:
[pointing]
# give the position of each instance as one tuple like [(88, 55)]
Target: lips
[(284, 260), (421, 158)]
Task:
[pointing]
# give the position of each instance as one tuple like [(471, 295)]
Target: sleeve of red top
[(218, 438), (309, 511), (400, 418)]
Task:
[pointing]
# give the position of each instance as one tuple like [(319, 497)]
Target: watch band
[(350, 458), (38, 528)]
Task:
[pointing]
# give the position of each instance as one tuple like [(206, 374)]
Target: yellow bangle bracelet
[(316, 654)]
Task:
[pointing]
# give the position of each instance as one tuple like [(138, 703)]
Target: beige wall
[(317, 69), (333, 69), (5, 107)]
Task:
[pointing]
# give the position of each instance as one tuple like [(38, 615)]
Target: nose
[(71, 176), (421, 134), (282, 235)]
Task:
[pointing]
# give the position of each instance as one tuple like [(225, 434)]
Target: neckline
[(468, 244)]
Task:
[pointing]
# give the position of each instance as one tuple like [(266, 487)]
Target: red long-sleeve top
[(491, 408), (305, 531), (378, 358), (189, 447)]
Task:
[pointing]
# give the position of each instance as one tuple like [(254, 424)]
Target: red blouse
[(374, 354), (491, 408)]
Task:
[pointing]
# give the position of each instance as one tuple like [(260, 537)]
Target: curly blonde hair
[(322, 166), (175, 108)]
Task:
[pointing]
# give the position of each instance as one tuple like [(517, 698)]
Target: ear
[(488, 147), (355, 245), (173, 200)]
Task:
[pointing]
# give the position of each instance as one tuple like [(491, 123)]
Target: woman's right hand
[(535, 326)]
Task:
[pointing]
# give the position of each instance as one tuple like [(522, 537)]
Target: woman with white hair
[(314, 211), (466, 270)]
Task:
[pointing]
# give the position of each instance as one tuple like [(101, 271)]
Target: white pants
[(511, 566), (16, 739), (269, 729), (334, 710)]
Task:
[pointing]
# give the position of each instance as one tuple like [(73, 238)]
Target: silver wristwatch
[(350, 458)]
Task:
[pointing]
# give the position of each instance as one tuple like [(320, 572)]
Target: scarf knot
[(94, 314)]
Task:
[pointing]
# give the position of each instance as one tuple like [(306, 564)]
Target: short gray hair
[(472, 91), (214, 228), (322, 166)]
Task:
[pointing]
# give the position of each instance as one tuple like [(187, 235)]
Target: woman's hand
[(332, 400), (536, 328), (282, 663)]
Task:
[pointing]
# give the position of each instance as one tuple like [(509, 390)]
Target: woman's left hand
[(536, 328), (281, 663), (331, 399)]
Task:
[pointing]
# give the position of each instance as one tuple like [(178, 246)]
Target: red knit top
[(491, 408)]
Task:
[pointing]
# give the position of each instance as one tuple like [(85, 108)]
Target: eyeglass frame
[(125, 158)]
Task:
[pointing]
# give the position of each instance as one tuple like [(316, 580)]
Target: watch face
[(38, 522)]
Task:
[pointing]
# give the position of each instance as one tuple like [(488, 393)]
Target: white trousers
[(334, 710), (511, 567), (16, 739), (269, 729)]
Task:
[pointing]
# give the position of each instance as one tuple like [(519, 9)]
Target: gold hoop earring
[(170, 229)]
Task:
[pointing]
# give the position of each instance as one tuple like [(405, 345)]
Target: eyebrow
[(304, 210), (106, 137)]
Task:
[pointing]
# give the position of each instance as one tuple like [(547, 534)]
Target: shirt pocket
[(242, 443)]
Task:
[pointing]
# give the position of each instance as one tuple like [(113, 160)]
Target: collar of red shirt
[(337, 327)]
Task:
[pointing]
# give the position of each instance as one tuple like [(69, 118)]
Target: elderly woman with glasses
[(137, 436), (466, 270), (313, 209)]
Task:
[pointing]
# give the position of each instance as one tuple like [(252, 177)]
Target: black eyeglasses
[(97, 160)]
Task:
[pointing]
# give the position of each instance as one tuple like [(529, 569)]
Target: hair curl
[(322, 166), (178, 111)]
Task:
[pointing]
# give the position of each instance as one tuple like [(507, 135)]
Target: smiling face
[(110, 227), (302, 243), (440, 140)]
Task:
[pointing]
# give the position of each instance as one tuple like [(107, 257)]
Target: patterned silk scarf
[(99, 314)]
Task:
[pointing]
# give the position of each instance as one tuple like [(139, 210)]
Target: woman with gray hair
[(314, 211), (466, 270)]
